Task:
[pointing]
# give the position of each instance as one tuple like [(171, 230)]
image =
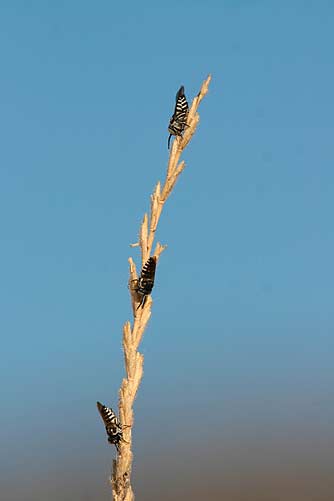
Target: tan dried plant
[(133, 333)]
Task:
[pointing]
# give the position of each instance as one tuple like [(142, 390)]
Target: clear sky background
[(237, 397)]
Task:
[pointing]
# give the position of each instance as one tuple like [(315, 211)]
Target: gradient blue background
[(239, 351)]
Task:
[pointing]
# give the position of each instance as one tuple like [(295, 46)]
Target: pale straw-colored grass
[(133, 333)]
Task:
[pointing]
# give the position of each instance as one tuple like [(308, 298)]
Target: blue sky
[(242, 328)]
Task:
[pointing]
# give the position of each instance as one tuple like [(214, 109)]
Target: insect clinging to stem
[(145, 282), (113, 426), (178, 122)]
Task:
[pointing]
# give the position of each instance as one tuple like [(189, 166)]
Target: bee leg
[(142, 302)]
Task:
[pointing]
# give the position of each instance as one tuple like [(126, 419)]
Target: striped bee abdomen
[(113, 426), (178, 122), (146, 280)]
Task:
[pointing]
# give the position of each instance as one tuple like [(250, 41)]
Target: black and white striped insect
[(114, 428), (178, 122), (145, 282)]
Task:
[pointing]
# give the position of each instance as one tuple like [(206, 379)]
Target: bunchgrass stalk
[(133, 333)]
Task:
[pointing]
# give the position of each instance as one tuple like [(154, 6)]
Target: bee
[(145, 282), (114, 428), (178, 122)]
